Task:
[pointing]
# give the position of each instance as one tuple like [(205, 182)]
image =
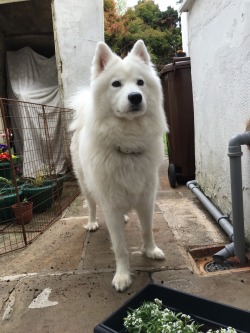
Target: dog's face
[(127, 92), (128, 82)]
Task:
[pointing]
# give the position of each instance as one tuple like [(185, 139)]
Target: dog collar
[(127, 151)]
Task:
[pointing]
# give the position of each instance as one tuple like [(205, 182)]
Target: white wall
[(78, 26), (184, 32), (219, 45)]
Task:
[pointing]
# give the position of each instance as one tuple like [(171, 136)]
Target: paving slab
[(58, 249), (6, 288), (100, 255), (191, 224), (228, 288), (73, 303)]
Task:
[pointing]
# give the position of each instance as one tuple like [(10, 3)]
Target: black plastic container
[(212, 314)]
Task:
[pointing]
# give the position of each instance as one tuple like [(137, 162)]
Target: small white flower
[(164, 320)]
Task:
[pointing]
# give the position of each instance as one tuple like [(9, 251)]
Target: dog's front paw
[(121, 281), (155, 253), (91, 226)]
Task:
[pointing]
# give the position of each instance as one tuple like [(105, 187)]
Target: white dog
[(117, 147)]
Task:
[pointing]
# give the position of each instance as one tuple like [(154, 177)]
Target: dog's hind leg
[(115, 224), (145, 212), (92, 224)]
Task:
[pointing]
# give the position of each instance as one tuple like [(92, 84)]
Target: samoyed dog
[(117, 147)]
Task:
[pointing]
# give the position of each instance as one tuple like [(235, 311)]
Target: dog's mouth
[(131, 112), (135, 108)]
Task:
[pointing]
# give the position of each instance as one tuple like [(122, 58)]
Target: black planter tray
[(212, 314)]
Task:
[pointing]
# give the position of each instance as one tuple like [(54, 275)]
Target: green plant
[(152, 317), (165, 140), (37, 181), (40, 191), (41, 176), (9, 184), (6, 181)]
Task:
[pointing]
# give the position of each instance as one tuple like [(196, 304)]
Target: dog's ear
[(140, 50), (103, 55)]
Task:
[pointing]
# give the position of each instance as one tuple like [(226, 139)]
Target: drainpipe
[(235, 232), (235, 153), (221, 219)]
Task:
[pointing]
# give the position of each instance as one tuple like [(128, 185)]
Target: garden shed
[(53, 27), (46, 48)]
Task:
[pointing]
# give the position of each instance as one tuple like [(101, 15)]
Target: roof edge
[(186, 6)]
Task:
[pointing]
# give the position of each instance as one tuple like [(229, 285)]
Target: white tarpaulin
[(33, 78)]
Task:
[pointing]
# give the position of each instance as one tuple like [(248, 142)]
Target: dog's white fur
[(117, 147)]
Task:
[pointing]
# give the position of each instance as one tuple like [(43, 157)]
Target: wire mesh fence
[(36, 178)]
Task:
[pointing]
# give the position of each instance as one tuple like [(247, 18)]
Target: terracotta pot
[(8, 197), (23, 212)]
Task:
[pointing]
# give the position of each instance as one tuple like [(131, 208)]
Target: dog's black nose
[(135, 98)]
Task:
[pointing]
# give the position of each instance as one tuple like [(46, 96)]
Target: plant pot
[(23, 212), (8, 197), (181, 54), (58, 189), (42, 196), (5, 170), (212, 315)]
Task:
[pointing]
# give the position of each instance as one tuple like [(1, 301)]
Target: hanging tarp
[(33, 78)]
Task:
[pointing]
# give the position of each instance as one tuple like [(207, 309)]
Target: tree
[(148, 11), (159, 30), (113, 25)]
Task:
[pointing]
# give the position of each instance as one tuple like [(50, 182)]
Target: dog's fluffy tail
[(79, 102)]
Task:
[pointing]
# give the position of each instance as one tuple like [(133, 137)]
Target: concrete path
[(62, 282)]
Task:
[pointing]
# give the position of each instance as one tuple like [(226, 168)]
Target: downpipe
[(221, 219), (236, 233), (235, 153)]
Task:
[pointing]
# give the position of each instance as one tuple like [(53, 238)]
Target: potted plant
[(152, 316), (23, 211), (39, 192), (183, 309), (5, 165), (180, 53), (8, 197)]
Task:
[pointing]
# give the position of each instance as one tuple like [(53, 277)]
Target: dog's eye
[(116, 84), (140, 82)]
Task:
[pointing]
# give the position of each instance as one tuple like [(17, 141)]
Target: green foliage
[(165, 141), (153, 317), (149, 12), (6, 181), (159, 30)]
